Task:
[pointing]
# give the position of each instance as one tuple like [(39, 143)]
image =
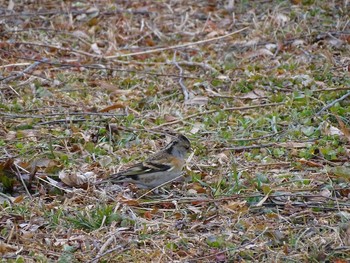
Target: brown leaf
[(345, 192), (340, 172), (310, 163), (169, 118), (93, 22), (131, 202), (343, 128), (148, 215), (7, 164), (222, 158), (6, 248), (18, 199), (113, 107), (103, 85)]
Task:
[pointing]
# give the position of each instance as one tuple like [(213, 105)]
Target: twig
[(288, 144), (26, 70), (182, 85), (57, 47), (331, 89), (76, 12), (216, 110), (23, 183), (103, 247), (176, 46), (199, 259), (186, 200), (15, 65), (255, 139), (56, 186), (9, 198), (274, 144), (332, 103), (60, 121), (20, 116), (185, 63), (197, 64), (76, 65), (107, 252)]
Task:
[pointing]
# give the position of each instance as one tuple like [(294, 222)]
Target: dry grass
[(87, 87)]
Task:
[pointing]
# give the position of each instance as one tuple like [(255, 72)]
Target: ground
[(261, 89)]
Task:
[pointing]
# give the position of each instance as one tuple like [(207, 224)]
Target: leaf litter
[(89, 88)]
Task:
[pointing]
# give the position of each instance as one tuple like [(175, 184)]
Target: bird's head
[(180, 146)]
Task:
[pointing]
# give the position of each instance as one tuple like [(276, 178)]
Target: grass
[(269, 175)]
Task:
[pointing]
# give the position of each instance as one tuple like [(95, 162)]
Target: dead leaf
[(96, 49), (93, 12), (18, 199), (340, 172), (281, 19), (343, 128), (298, 42), (310, 163), (329, 130), (103, 85), (196, 127), (254, 94), (222, 158), (194, 209), (113, 107), (345, 192), (212, 34), (259, 53), (104, 161), (277, 236), (197, 100), (263, 200), (130, 202), (346, 234), (32, 226), (31, 135), (75, 179), (295, 145), (10, 136), (81, 34), (6, 248), (169, 118), (11, 5), (148, 215), (7, 164)]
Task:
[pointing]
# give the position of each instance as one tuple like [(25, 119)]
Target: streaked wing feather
[(156, 167), (140, 168)]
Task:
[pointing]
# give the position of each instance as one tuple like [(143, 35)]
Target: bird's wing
[(144, 168), (155, 164)]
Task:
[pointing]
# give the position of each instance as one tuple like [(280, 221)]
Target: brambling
[(159, 168)]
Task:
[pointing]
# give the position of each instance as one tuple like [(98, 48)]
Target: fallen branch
[(333, 103), (182, 85), (274, 144), (217, 110), (176, 46), (24, 116), (26, 70)]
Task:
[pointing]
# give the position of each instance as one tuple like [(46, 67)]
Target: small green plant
[(95, 218)]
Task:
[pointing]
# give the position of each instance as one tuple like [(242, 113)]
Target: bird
[(159, 168)]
